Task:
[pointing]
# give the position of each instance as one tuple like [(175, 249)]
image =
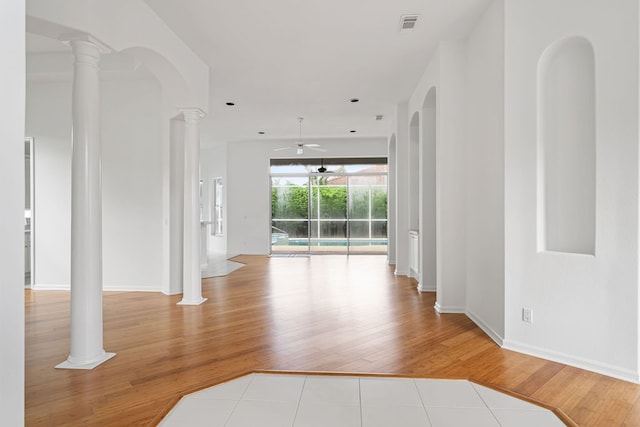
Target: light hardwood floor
[(325, 313)]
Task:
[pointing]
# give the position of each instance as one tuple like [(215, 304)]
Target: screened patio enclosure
[(340, 211)]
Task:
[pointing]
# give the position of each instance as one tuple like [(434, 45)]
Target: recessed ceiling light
[(352, 131), (354, 100), (261, 133), (231, 104)]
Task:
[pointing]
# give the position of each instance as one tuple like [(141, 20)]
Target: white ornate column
[(191, 280), (87, 350)]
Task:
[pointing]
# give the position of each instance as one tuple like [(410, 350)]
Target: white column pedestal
[(191, 280), (87, 350)]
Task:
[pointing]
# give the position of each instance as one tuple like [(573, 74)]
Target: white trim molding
[(589, 365), (486, 328), (423, 288), (448, 309)]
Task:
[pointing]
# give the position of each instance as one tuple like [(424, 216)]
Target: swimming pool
[(337, 242)]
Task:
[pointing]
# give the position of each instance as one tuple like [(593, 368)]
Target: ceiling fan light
[(300, 150)]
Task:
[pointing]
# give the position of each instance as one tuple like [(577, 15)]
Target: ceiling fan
[(322, 169), (300, 146)]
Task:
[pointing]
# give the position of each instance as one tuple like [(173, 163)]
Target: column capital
[(86, 49), (191, 114), (87, 41)]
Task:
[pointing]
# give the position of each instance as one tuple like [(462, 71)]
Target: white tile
[(233, 390), (462, 417), (449, 393), (264, 414), (389, 391), (385, 416), (519, 418), (197, 412), (275, 388), (495, 399), (327, 414), (330, 389)]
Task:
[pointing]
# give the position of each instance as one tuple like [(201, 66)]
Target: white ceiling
[(281, 59)]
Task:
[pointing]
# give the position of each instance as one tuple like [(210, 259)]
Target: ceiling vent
[(379, 117), (408, 22)]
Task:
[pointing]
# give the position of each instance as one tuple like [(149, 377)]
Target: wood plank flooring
[(324, 313)]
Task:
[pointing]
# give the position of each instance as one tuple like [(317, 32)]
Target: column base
[(192, 302), (72, 365), (437, 307)]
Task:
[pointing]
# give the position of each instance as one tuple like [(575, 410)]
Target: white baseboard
[(485, 328), (109, 288), (49, 287), (401, 272), (451, 309), (115, 288), (566, 359), (424, 288)]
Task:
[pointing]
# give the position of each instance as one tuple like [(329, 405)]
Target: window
[(216, 228), (341, 209)]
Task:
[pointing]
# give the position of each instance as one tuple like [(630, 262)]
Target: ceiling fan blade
[(315, 148), (311, 145), (283, 148)]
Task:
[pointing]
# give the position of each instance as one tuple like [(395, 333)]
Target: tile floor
[(219, 265), (331, 401)]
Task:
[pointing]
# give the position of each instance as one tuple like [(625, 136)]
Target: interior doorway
[(29, 212)]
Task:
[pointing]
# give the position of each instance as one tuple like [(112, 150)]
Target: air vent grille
[(379, 117), (408, 22)]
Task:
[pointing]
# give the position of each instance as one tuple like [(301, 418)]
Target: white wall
[(450, 180), (12, 103), (392, 202), (401, 126), (131, 184), (248, 195), (117, 23), (585, 307), (131, 176), (445, 73), (485, 172), (48, 120), (175, 212)]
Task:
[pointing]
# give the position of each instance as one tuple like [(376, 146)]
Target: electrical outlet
[(527, 315)]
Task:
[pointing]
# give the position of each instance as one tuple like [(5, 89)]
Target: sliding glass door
[(328, 219), (337, 212), (368, 214), (290, 215)]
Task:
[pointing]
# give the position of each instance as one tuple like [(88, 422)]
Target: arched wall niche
[(428, 211), (566, 178)]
